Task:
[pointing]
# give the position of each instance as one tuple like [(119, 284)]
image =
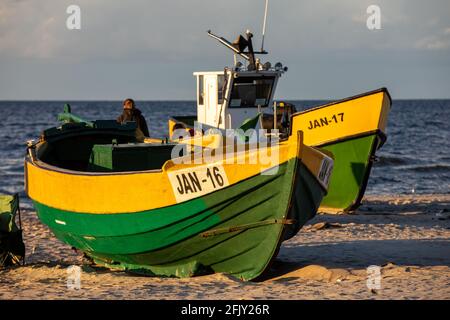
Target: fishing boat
[(353, 129), (227, 99), (134, 206)]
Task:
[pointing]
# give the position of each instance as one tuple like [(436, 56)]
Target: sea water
[(414, 160)]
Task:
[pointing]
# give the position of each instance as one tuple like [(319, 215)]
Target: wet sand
[(408, 237)]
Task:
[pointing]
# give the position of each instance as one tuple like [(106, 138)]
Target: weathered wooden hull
[(354, 159), (352, 129), (236, 229), (175, 240)]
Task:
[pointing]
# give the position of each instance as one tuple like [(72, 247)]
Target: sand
[(407, 237)]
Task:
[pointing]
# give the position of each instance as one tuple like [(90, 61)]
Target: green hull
[(352, 165), (194, 237)]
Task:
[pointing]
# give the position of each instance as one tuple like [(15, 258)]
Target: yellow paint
[(352, 117), (312, 158), (360, 115), (134, 192), (171, 125), (152, 140), (211, 141), (210, 178)]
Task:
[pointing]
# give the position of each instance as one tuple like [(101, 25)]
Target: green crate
[(129, 157)]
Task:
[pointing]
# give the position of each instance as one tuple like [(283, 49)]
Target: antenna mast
[(264, 25)]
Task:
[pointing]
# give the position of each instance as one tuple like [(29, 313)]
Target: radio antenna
[(264, 25)]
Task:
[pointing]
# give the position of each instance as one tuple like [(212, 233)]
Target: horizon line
[(188, 100)]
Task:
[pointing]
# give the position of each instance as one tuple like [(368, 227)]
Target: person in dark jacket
[(131, 113)]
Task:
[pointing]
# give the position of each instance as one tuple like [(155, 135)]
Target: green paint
[(9, 206), (104, 225), (128, 157), (301, 210), (350, 172), (168, 241)]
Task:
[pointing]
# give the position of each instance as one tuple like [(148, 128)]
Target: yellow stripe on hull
[(138, 191), (335, 121)]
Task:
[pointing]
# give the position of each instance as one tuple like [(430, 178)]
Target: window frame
[(201, 90), (267, 99)]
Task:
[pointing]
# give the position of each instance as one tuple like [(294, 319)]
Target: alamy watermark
[(73, 21), (374, 20), (73, 278), (373, 277), (231, 146)]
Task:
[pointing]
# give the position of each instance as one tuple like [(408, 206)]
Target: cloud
[(432, 43), (29, 29), (440, 41), (168, 38), (111, 30), (170, 31)]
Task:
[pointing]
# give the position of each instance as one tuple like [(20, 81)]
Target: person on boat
[(131, 113)]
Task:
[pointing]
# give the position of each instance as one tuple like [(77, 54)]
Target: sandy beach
[(408, 237)]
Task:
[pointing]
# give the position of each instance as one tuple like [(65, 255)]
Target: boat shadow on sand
[(403, 232), (386, 231)]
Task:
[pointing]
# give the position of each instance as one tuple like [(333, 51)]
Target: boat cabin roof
[(243, 73)]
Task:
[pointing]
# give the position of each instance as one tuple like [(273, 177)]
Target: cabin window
[(250, 92), (220, 88), (201, 90)]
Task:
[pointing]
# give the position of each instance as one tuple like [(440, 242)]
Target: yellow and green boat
[(352, 129), (133, 206)]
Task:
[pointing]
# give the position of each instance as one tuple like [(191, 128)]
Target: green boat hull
[(353, 160), (236, 230)]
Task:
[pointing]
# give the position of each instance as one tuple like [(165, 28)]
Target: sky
[(148, 50)]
